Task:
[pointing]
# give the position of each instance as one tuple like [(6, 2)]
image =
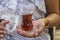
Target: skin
[(2, 28), (52, 15)]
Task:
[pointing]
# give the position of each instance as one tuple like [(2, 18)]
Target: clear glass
[(27, 10), (14, 20)]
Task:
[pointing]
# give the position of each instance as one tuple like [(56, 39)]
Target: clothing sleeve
[(52, 6)]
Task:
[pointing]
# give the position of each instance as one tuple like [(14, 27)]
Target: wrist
[(46, 21)]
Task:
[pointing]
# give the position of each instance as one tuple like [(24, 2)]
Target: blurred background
[(54, 33)]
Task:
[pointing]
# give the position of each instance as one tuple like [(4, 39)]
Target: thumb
[(4, 22)]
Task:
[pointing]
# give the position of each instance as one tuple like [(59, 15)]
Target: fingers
[(1, 36), (23, 33), (2, 28), (29, 34), (36, 33), (2, 33)]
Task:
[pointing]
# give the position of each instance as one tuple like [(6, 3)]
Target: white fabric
[(40, 4), (12, 5)]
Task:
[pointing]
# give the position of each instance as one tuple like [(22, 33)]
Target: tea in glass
[(27, 22)]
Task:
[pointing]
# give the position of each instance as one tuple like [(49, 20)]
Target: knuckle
[(1, 32), (2, 28)]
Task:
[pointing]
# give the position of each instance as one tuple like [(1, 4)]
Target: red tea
[(27, 22)]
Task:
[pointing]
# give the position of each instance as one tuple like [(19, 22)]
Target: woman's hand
[(38, 27), (2, 28)]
